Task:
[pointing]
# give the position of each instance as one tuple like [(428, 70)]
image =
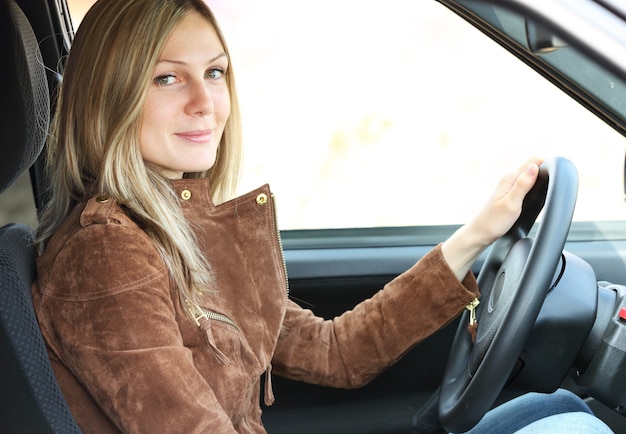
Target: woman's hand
[(493, 221)]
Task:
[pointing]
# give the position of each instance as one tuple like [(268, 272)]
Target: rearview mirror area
[(541, 40)]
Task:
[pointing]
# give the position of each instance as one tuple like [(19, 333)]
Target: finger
[(508, 181), (524, 182), (532, 160)]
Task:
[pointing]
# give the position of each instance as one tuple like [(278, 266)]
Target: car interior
[(572, 336)]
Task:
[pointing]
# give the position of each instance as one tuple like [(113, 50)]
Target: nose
[(200, 102)]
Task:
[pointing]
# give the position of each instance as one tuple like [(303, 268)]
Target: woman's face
[(188, 101)]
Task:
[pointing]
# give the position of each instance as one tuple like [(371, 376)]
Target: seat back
[(30, 398)]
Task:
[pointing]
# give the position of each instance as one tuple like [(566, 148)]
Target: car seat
[(30, 398)]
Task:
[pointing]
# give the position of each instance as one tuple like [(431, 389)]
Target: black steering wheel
[(514, 281)]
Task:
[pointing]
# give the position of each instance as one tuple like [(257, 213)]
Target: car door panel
[(330, 280)]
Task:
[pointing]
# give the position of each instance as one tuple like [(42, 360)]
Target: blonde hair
[(94, 141)]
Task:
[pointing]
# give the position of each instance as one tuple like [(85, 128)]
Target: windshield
[(361, 113)]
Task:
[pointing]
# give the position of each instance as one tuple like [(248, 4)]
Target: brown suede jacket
[(129, 360)]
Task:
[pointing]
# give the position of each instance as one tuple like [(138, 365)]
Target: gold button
[(185, 194), (102, 199), (261, 199)]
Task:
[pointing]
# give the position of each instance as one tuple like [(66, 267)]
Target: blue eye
[(164, 80)]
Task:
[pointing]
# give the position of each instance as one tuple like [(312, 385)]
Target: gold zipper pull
[(197, 313), (473, 322), (201, 317)]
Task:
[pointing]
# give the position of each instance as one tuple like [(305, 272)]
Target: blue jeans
[(532, 413)]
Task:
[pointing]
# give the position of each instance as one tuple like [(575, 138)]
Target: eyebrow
[(180, 62)]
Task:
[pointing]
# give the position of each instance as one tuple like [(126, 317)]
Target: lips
[(197, 136)]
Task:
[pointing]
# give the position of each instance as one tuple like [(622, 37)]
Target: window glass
[(363, 113)]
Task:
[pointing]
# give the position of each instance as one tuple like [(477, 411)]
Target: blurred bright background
[(367, 113)]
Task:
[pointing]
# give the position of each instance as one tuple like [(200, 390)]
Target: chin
[(201, 165), (199, 169)]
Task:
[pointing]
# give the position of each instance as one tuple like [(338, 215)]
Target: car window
[(362, 113)]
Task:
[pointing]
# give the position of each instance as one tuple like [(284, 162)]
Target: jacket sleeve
[(350, 350), (107, 313)]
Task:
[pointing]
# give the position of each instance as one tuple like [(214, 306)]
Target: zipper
[(473, 322), (199, 313), (280, 245), (203, 318)]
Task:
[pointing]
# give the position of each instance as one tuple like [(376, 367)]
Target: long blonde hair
[(94, 140)]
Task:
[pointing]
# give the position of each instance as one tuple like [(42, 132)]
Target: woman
[(161, 301)]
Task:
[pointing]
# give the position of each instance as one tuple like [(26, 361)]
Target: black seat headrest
[(25, 102)]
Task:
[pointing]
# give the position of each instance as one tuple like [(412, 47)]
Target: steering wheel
[(514, 281)]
